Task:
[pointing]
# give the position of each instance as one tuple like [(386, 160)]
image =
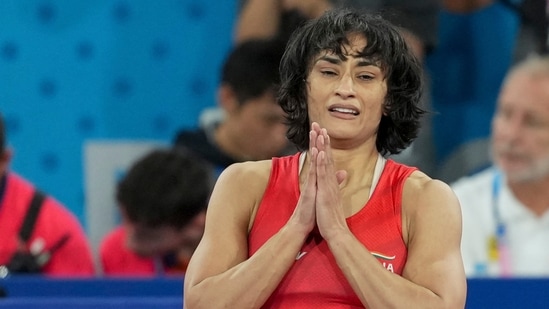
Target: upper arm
[(433, 222), (465, 6), (234, 199)]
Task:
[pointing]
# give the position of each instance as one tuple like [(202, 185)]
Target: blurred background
[(87, 86), (72, 72)]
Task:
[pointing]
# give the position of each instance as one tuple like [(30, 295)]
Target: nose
[(345, 87)]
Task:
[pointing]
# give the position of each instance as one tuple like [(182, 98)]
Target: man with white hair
[(506, 207)]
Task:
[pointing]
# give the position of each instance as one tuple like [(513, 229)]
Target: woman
[(337, 225)]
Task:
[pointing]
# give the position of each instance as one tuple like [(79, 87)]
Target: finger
[(312, 177), (315, 127), (327, 145), (313, 135), (324, 145), (320, 141), (321, 166)]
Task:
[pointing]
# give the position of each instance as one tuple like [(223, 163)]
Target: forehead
[(267, 100), (353, 45), (526, 90), (149, 230)]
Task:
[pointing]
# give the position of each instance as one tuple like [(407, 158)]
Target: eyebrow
[(336, 60)]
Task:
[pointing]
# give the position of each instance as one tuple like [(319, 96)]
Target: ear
[(227, 99), (122, 212), (385, 107), (200, 218), (5, 158)]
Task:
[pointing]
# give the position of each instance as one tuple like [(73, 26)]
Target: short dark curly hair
[(251, 68), (166, 187), (403, 73)]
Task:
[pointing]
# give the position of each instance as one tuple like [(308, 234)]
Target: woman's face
[(346, 96)]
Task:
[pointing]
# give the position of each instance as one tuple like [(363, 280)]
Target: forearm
[(258, 19), (249, 283), (465, 6), (376, 286), (420, 18)]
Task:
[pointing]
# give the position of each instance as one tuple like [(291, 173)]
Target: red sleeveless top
[(315, 280)]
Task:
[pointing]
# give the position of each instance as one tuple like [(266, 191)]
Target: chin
[(525, 175), (525, 171)]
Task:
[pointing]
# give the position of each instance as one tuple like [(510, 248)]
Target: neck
[(533, 194), (358, 163), (228, 144)]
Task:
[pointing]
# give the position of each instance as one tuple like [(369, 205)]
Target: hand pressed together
[(320, 202)]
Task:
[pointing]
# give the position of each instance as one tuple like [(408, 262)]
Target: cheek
[(541, 143), (313, 109), (499, 127)]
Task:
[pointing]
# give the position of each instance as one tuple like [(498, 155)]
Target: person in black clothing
[(252, 126)]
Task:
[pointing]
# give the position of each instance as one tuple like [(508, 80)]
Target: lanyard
[(499, 244)]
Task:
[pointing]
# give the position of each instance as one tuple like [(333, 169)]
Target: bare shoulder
[(250, 175), (241, 185), (428, 199), (420, 188)]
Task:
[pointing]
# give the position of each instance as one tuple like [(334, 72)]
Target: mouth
[(344, 110)]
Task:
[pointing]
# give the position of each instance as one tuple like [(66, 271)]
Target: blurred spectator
[(506, 207), (268, 18), (533, 14), (533, 37), (475, 50), (39, 234), (251, 126), (162, 200), (418, 21)]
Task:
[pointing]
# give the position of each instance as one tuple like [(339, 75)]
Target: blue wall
[(73, 70)]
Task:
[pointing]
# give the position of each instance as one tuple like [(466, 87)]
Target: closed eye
[(328, 73), (366, 77)]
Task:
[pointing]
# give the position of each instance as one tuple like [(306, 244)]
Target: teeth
[(345, 110)]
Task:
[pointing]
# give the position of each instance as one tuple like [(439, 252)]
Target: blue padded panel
[(77, 70)]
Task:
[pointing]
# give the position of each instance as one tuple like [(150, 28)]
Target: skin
[(520, 137), (253, 130), (465, 6), (156, 241), (261, 19), (310, 8), (334, 183), (5, 158)]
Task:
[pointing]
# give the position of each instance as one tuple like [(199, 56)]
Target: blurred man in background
[(506, 207), (39, 234), (252, 124), (162, 200)]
